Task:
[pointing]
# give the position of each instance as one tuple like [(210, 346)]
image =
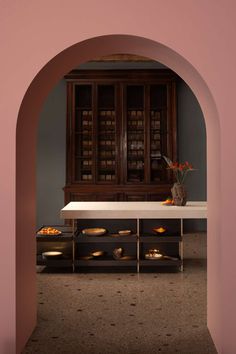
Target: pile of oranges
[(49, 231)]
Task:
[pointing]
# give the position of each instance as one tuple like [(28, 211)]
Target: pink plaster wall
[(31, 34)]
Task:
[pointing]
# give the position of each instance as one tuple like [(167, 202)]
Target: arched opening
[(25, 178)]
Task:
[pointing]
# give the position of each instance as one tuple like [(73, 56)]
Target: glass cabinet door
[(158, 132), (83, 134), (106, 134), (135, 139), (120, 124)]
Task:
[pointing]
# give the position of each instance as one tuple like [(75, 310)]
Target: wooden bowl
[(96, 231), (159, 230), (98, 254)]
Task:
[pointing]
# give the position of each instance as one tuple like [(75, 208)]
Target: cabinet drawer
[(103, 197), (135, 197), (82, 197), (154, 197)]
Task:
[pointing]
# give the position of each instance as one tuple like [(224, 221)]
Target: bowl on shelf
[(51, 231), (52, 255), (118, 253), (96, 231), (153, 254), (124, 232), (159, 230), (97, 254)]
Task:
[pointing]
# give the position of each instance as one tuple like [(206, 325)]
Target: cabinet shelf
[(107, 147), (114, 238), (87, 133), (131, 157), (64, 262), (57, 238), (106, 262), (157, 239), (85, 108), (135, 129), (160, 262), (106, 108), (107, 132), (136, 109), (88, 169), (107, 169)]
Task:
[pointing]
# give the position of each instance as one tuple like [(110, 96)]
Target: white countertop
[(133, 210)]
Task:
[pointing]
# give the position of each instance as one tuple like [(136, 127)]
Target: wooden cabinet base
[(130, 193)]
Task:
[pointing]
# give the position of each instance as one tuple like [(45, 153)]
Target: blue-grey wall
[(192, 147), (192, 140), (51, 157), (51, 148)]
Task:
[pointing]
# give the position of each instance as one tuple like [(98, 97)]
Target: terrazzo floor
[(125, 313)]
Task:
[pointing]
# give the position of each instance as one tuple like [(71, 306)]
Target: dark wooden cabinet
[(119, 126)]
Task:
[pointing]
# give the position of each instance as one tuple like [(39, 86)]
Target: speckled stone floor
[(125, 313)]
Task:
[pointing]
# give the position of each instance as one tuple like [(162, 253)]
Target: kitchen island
[(142, 218)]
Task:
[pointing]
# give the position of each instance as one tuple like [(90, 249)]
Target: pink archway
[(25, 166)]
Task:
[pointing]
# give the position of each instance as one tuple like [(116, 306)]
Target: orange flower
[(180, 170)]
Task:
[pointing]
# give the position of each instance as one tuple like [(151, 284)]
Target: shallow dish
[(154, 256), (52, 255), (98, 253), (159, 230), (124, 232), (96, 231), (51, 231)]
